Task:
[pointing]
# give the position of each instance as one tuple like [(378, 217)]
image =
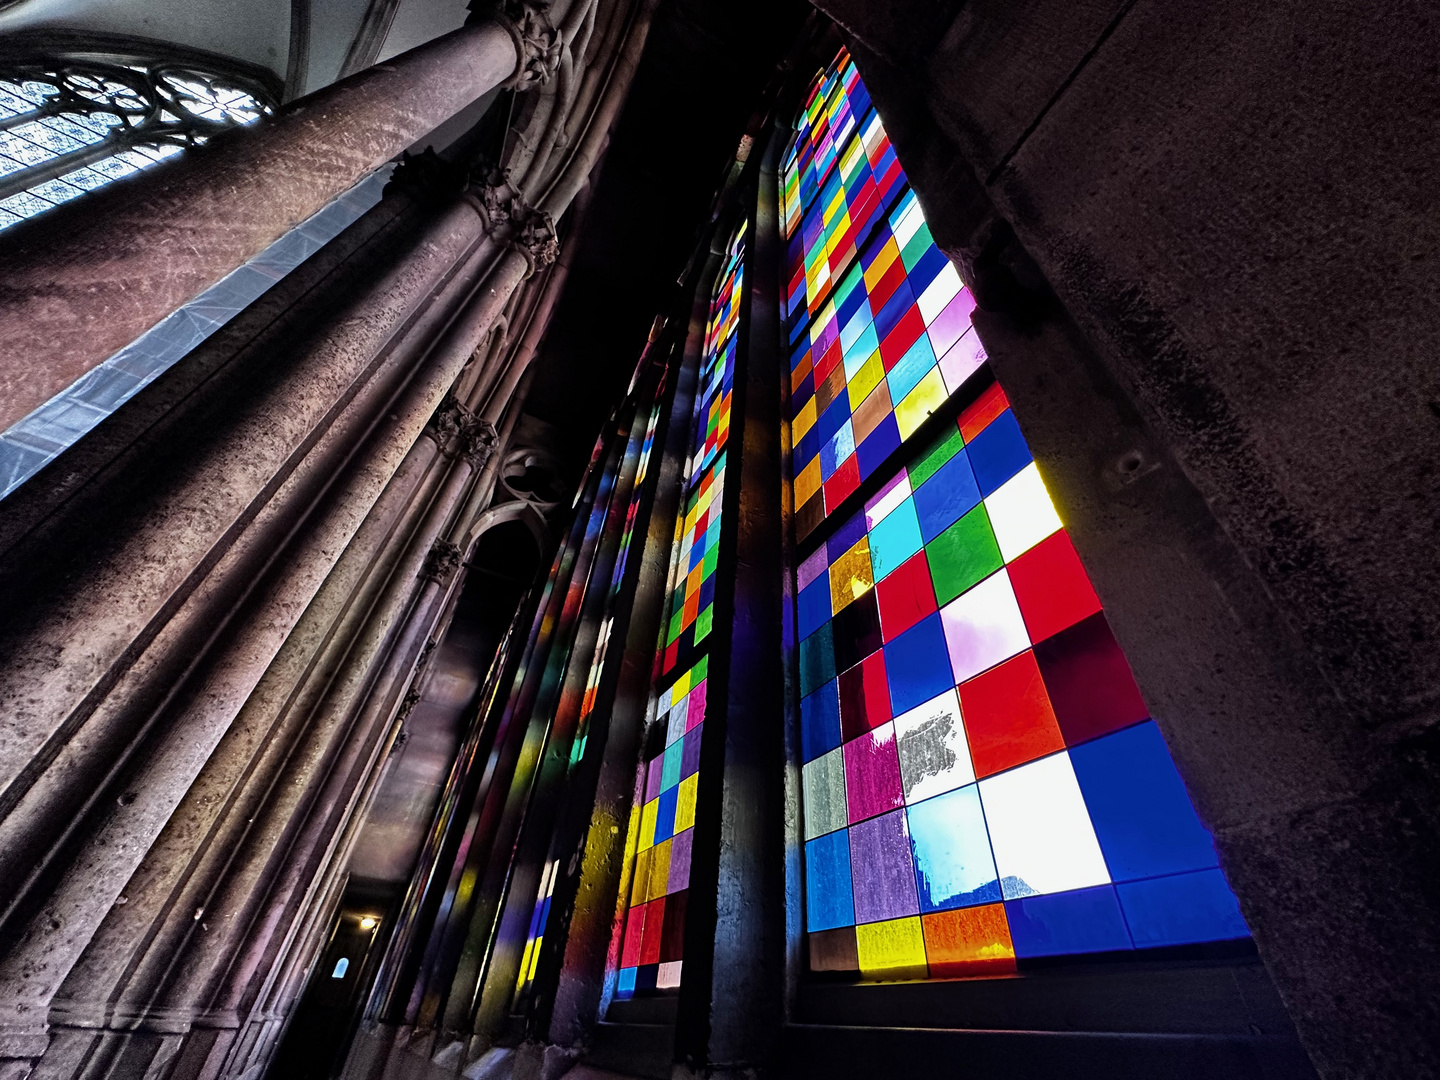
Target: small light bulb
[(367, 923)]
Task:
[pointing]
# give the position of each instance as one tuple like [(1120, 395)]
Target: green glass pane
[(916, 248), (702, 623), (963, 555), (708, 563), (941, 451), (852, 281)]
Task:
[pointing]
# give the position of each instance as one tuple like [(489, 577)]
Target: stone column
[(206, 642)]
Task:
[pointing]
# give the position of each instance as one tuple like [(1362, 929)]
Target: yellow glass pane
[(647, 824), (808, 482), (640, 891), (928, 395), (892, 950), (804, 420), (680, 689), (888, 254), (822, 318), (865, 380), (851, 575), (659, 869), (685, 802)]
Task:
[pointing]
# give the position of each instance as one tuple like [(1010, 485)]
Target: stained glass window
[(982, 782), (878, 320), (652, 945), (70, 127)]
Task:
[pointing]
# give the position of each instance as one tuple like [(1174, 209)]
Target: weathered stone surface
[(81, 282)]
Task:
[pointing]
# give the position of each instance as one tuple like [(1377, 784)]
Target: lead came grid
[(982, 782), (836, 100), (691, 605), (885, 350), (653, 935)]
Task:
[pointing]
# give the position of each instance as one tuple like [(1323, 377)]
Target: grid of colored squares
[(890, 345), (652, 948), (849, 203), (981, 783), (837, 100), (691, 605)]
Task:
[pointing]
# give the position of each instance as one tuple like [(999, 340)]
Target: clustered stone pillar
[(207, 643)]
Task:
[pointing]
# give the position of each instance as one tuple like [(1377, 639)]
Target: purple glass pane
[(680, 860), (880, 864), (690, 755)]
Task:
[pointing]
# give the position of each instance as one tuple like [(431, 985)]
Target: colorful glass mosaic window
[(878, 319), (652, 943), (691, 606), (887, 348), (982, 781), (838, 99)]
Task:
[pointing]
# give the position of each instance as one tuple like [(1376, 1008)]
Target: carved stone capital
[(537, 41), (478, 439), (532, 231), (536, 240), (441, 562), (461, 434)]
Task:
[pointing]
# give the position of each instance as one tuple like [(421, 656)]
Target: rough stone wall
[(1204, 235)]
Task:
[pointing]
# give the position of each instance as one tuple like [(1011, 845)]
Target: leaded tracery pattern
[(73, 125)]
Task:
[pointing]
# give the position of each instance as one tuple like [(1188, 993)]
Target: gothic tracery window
[(982, 782), (71, 125)]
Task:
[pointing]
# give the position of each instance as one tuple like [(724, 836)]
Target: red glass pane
[(1089, 681), (1052, 587), (906, 596), (1008, 716)]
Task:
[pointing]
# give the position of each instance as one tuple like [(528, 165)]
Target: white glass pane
[(1021, 513), (823, 781), (1040, 829), (934, 756)]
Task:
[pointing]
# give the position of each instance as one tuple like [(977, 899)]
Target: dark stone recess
[(1201, 240), (704, 67)]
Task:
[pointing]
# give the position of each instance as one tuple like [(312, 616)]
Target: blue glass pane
[(814, 606), (1182, 910), (953, 864), (665, 815), (828, 900), (820, 721), (1086, 920), (917, 665), (1142, 814), (946, 496), (878, 445), (998, 452)]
